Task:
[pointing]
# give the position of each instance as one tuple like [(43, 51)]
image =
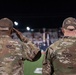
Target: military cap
[(6, 23), (69, 23)]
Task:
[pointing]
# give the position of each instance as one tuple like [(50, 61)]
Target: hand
[(21, 36)]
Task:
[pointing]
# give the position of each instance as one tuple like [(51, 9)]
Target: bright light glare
[(16, 23), (32, 29), (28, 28)]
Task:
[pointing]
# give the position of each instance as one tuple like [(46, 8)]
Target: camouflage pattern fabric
[(13, 54), (60, 57)]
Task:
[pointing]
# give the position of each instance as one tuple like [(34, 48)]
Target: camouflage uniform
[(13, 54), (60, 57)]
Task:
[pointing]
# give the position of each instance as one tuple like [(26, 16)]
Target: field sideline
[(30, 67)]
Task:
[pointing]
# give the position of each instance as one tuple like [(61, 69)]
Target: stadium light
[(16, 23), (32, 30), (28, 28)]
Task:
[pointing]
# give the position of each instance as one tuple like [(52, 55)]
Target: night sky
[(38, 14)]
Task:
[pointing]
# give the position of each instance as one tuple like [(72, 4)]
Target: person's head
[(69, 26), (6, 26)]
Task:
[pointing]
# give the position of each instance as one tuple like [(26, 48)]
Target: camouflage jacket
[(60, 57), (13, 53)]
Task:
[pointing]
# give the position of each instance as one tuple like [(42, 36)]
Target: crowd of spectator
[(42, 39)]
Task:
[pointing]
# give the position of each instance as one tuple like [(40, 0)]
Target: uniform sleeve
[(47, 65), (30, 51)]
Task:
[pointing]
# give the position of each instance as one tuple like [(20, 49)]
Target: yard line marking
[(38, 70)]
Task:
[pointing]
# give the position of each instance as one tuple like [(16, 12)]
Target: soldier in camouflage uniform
[(60, 57), (12, 52)]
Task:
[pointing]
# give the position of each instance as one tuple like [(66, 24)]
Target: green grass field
[(30, 67)]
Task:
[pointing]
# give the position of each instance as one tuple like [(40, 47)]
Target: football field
[(33, 68)]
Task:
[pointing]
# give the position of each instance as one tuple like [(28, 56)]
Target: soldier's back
[(64, 61), (10, 56)]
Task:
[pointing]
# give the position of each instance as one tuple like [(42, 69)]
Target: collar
[(69, 37)]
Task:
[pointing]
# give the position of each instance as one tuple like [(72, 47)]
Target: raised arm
[(31, 51)]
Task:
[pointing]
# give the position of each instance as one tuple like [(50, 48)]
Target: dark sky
[(38, 14)]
